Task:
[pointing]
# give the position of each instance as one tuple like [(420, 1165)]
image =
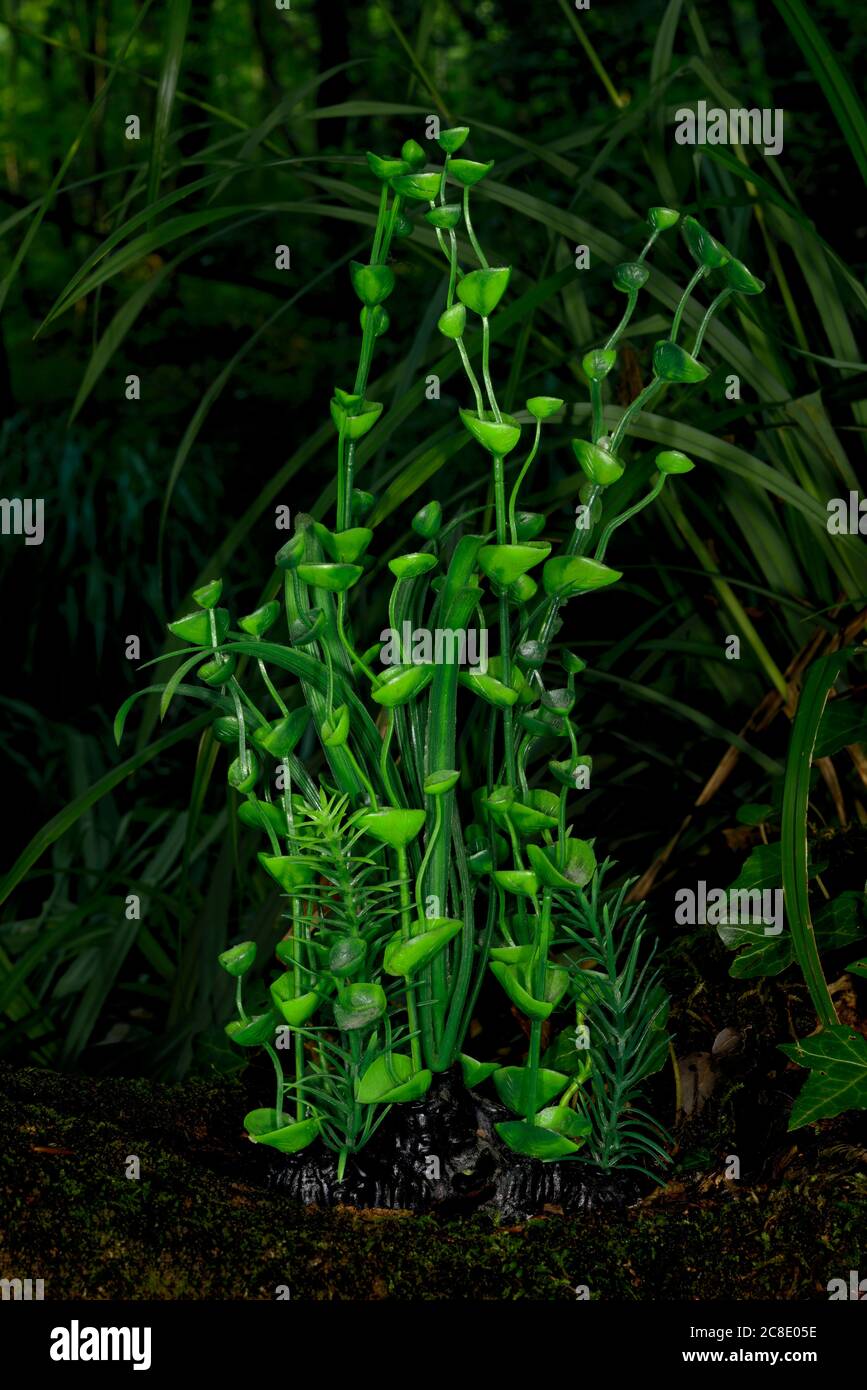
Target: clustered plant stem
[(383, 877)]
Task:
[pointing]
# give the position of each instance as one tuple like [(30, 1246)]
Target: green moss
[(198, 1224)]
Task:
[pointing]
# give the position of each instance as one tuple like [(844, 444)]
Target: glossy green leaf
[(673, 363), (506, 563), (196, 627), (568, 575), (398, 684), (281, 738), (372, 283), (420, 187), (335, 728), (468, 172), (208, 596), (259, 814), (534, 1142), (291, 873), (673, 461), (517, 881), (412, 565), (488, 688), (473, 1072), (451, 140), (392, 825), (511, 1084), (445, 217), (335, 578), (577, 871), (258, 622), (630, 276), (406, 957), (661, 219), (254, 1031), (704, 248), (359, 1006), (440, 782), (238, 959), (482, 290), (600, 466), (347, 956), (509, 977), (262, 1127)]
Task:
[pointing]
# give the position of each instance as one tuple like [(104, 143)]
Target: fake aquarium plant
[(410, 869)]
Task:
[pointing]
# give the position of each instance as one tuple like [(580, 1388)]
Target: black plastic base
[(442, 1155)]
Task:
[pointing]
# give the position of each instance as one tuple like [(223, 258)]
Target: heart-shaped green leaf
[(568, 575), (489, 688), (372, 283), (335, 578), (238, 959), (392, 826), (196, 627), (359, 1006), (411, 566), (499, 437), (509, 977), (406, 957), (630, 276), (600, 466), (512, 1082), (576, 872), (347, 956), (424, 188), (673, 363), (291, 873), (506, 563), (445, 217), (704, 248), (468, 172), (281, 738), (534, 1142), (258, 623), (254, 1031), (482, 290), (473, 1072), (399, 684), (263, 1128)]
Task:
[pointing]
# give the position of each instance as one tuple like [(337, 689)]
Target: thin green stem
[(470, 233), (712, 308), (698, 275), (627, 516), (513, 496), (406, 932), (486, 368)]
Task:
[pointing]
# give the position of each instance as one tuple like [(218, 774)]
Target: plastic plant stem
[(270, 687), (793, 830), (729, 598), (712, 308), (380, 225), (513, 496), (428, 854), (540, 963), (281, 1082), (405, 931), (642, 400), (631, 301), (627, 516), (486, 368), (505, 632), (340, 765), (239, 998), (470, 233), (596, 409), (698, 274)]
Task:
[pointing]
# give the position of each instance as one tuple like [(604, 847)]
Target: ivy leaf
[(837, 1061)]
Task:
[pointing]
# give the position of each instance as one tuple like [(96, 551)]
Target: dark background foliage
[(237, 361)]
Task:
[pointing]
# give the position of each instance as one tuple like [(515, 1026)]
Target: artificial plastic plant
[(396, 906)]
